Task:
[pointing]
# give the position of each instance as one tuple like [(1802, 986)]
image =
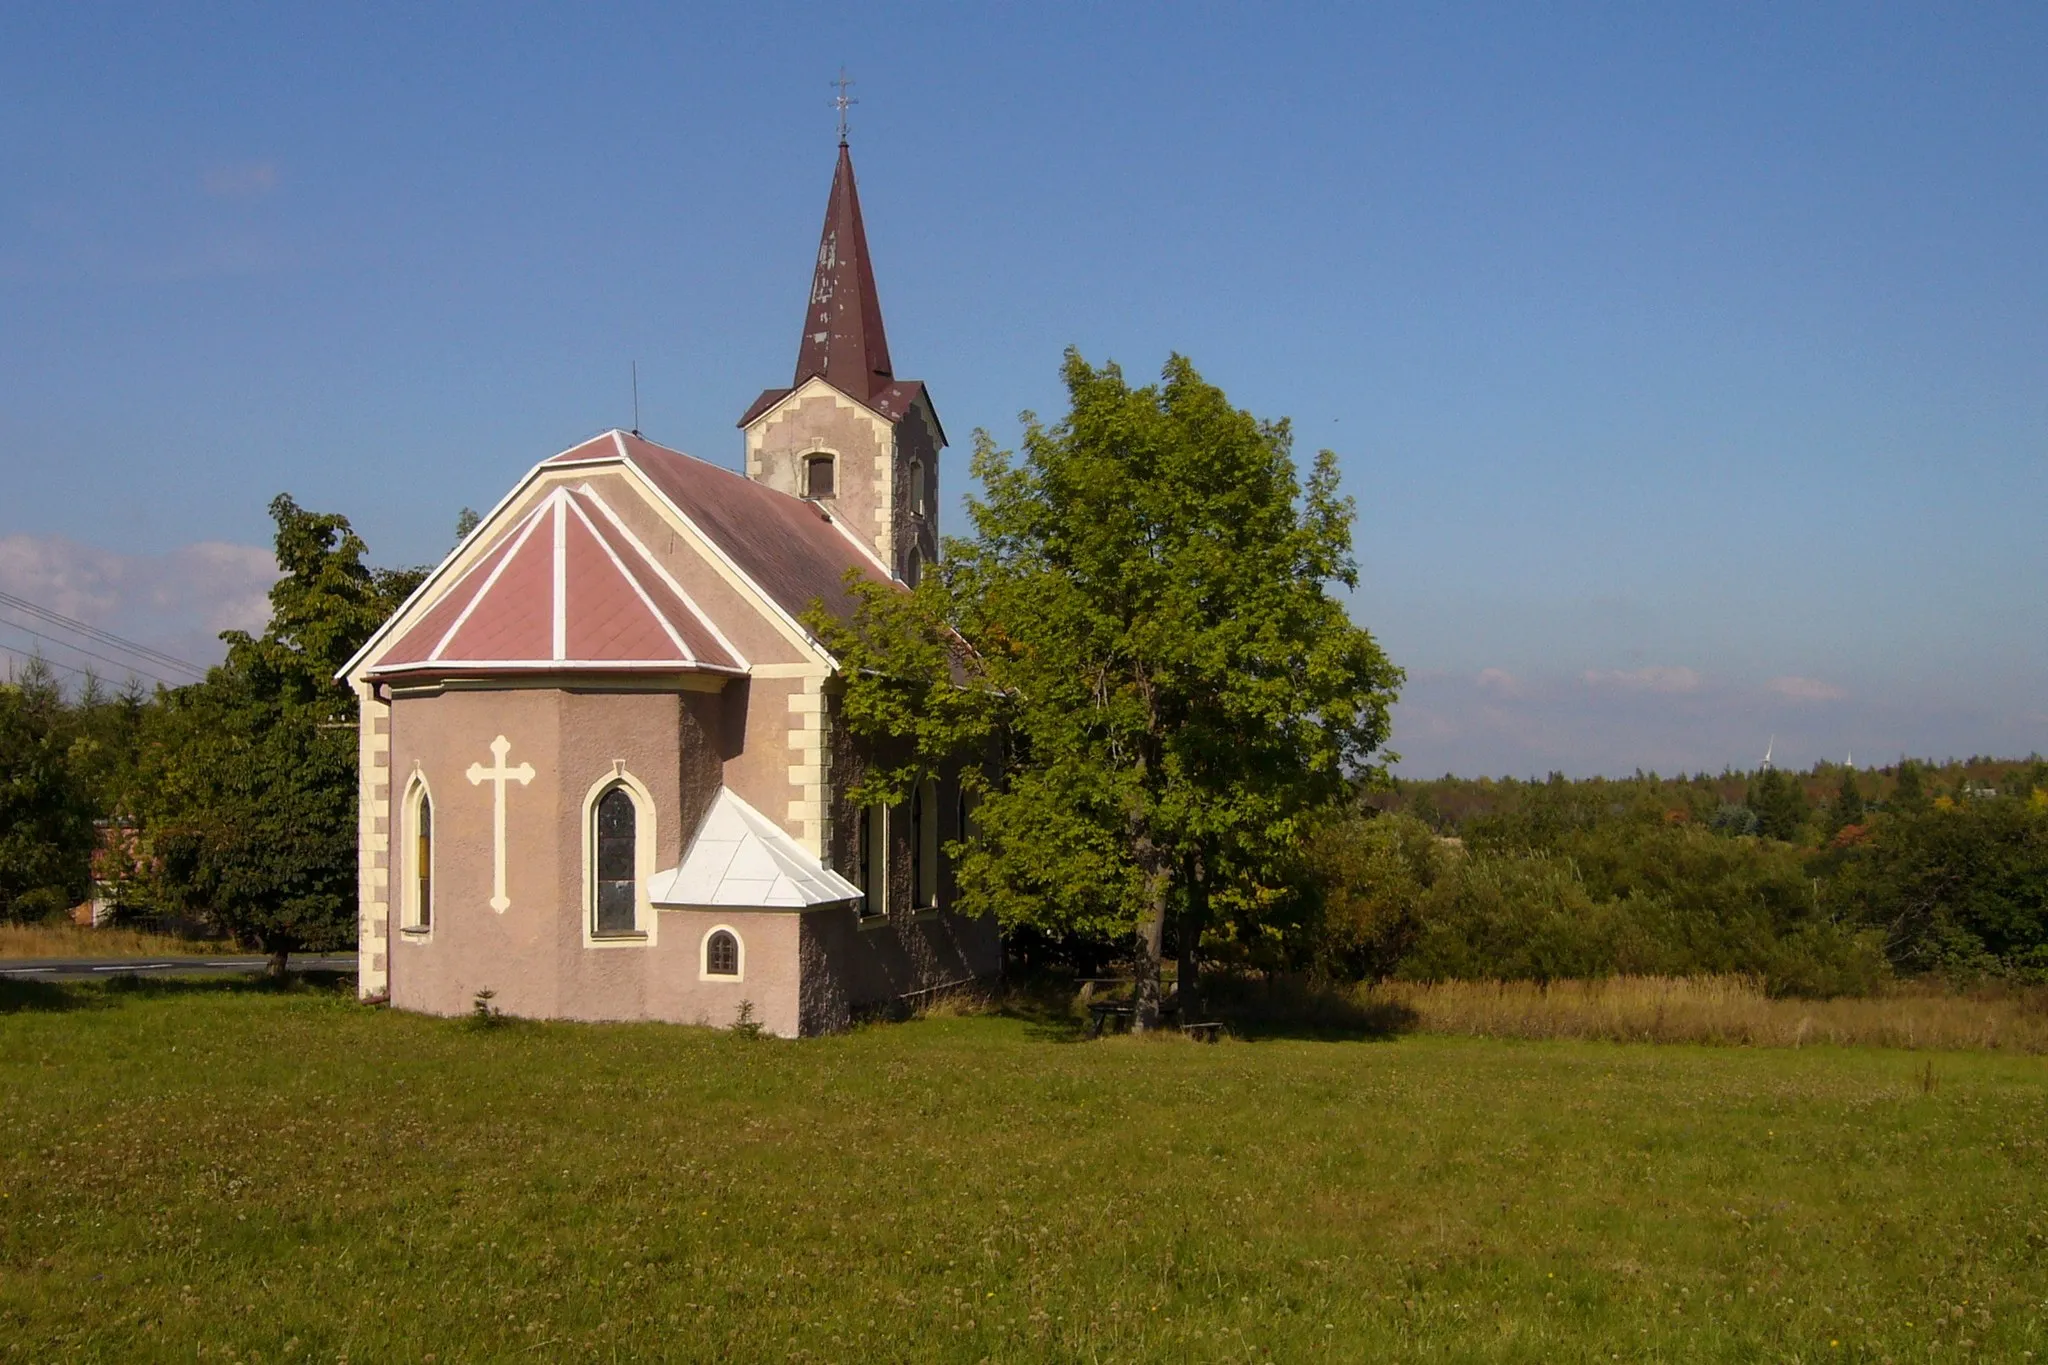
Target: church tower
[(847, 434)]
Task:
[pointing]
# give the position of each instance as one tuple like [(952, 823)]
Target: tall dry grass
[(1722, 1009), (72, 940)]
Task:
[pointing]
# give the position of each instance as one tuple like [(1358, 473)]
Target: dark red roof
[(787, 546), (843, 341), (567, 587)]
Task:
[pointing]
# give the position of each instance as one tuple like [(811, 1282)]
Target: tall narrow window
[(868, 834), (917, 487), (925, 859), (919, 811), (913, 566), (818, 481), (617, 889), (423, 864)]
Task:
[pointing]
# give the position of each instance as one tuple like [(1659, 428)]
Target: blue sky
[(1689, 365)]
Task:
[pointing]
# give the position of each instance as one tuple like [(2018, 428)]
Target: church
[(602, 769)]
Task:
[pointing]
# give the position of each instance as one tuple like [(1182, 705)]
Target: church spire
[(843, 341)]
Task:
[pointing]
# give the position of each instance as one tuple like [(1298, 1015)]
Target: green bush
[(1955, 887)]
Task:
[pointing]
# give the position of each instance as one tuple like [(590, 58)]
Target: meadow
[(51, 938), (226, 1171)]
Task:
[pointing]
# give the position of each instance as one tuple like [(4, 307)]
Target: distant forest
[(1824, 882)]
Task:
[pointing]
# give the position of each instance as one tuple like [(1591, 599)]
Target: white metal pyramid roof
[(740, 857)]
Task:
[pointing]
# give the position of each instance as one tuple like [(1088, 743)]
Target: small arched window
[(423, 864), (722, 954), (913, 566), (818, 476), (618, 890)]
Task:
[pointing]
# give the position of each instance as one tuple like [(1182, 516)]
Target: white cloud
[(1805, 689), (247, 180), (1652, 678), (1500, 681), (177, 602)]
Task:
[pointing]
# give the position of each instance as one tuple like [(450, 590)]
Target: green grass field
[(223, 1172)]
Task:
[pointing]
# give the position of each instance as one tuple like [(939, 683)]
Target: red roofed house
[(602, 774)]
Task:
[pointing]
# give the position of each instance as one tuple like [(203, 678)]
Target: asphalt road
[(88, 968)]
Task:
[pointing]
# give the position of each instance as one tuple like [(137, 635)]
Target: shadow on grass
[(1262, 1009), (1053, 1011), (109, 992)]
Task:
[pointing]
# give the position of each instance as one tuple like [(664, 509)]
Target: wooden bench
[(1206, 1033), (1101, 1012)]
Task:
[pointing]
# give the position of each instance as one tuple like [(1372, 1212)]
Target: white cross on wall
[(499, 775)]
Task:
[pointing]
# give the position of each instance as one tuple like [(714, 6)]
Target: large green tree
[(46, 813), (252, 786), (1142, 649)]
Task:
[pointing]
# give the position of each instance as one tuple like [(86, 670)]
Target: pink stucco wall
[(534, 955)]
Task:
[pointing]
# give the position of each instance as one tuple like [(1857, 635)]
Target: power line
[(78, 649), (47, 663), (105, 637)]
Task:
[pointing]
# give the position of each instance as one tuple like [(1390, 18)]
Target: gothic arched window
[(423, 863), (917, 487), (818, 476), (913, 566), (618, 891), (418, 898)]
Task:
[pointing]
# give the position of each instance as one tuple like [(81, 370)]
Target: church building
[(603, 774)]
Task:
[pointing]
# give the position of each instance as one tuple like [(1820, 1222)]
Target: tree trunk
[(278, 958), (1192, 921), (1151, 938)]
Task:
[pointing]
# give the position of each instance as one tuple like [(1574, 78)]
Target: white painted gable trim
[(668, 628), (740, 858), (518, 543), (668, 579), (462, 561), (792, 629)]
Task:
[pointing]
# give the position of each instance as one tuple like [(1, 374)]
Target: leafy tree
[(1372, 874), (1780, 805), (46, 829), (1962, 889), (252, 772), (1849, 807), (1142, 634), (1909, 791)]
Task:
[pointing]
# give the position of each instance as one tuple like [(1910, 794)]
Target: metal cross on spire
[(842, 103)]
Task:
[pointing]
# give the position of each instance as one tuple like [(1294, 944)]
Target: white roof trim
[(515, 544), (795, 630), (560, 607), (859, 544), (563, 665), (632, 581), (741, 858), (432, 584), (703, 618)]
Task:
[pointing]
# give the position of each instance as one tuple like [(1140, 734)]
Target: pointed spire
[(843, 340)]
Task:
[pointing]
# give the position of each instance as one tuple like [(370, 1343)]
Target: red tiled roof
[(567, 587)]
